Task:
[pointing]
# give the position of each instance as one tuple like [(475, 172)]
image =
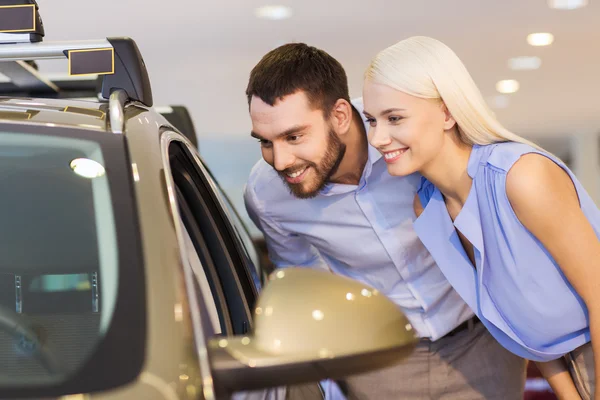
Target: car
[(126, 273)]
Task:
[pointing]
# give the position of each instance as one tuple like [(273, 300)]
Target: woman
[(510, 226)]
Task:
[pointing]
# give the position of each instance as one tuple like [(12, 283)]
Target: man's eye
[(293, 138), (264, 143)]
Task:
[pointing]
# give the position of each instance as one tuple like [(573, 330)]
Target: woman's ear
[(341, 116), (449, 121)]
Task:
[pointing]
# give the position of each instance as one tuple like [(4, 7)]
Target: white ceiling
[(199, 53)]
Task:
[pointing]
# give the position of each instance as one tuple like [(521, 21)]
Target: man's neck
[(357, 153)]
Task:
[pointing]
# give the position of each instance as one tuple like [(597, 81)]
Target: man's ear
[(449, 120), (341, 116)]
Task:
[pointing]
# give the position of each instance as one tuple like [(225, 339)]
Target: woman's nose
[(378, 138)]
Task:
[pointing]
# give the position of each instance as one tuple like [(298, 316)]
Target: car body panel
[(171, 368)]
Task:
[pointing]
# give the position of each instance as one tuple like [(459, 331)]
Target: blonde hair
[(425, 67)]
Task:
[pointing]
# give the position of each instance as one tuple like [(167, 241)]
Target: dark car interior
[(49, 266)]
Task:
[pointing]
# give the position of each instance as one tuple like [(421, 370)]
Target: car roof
[(81, 114)]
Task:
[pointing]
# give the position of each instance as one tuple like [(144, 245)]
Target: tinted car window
[(237, 274), (59, 258), (202, 285), (242, 233)]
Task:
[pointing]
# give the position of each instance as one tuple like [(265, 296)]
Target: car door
[(223, 257)]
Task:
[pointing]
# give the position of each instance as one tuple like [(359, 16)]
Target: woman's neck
[(448, 172)]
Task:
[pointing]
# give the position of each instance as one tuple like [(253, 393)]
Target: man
[(323, 199)]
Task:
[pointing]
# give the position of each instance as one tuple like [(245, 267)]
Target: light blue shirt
[(360, 231), (517, 289)]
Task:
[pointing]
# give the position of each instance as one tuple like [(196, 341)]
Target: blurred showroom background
[(199, 54)]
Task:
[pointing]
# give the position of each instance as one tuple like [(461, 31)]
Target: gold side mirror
[(311, 325)]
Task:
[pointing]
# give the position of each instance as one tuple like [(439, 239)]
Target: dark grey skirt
[(581, 367)]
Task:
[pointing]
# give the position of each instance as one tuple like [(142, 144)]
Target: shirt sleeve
[(286, 249)]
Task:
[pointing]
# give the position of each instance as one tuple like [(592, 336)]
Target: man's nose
[(282, 158)]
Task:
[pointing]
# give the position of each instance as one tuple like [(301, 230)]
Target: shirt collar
[(338, 188), (474, 160)]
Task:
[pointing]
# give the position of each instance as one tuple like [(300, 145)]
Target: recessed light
[(507, 86), (524, 63), (567, 4), (540, 39), (273, 12)]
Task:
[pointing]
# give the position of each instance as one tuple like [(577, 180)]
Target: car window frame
[(240, 229), (198, 315), (250, 270), (208, 268), (224, 247)]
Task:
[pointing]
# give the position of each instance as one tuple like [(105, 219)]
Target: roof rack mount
[(117, 60)]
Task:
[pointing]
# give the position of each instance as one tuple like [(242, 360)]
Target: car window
[(241, 231), (203, 289), (214, 240), (232, 226), (204, 269), (59, 251)]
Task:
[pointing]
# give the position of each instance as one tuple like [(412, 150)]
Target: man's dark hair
[(297, 66)]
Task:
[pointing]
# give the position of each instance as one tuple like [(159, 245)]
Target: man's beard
[(324, 171)]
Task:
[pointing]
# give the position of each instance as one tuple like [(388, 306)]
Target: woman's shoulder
[(503, 156), (514, 172)]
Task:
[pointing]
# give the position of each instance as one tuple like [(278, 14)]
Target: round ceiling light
[(567, 4), (273, 12), (540, 39), (507, 86)]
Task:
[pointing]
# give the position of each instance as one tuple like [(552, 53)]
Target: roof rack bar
[(26, 77), (128, 70), (47, 50)]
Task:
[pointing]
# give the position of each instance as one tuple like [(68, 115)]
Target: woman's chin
[(399, 170)]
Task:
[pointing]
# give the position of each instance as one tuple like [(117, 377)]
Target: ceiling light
[(567, 4), (87, 168), (540, 39), (524, 63), (318, 315), (273, 12), (507, 86)]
